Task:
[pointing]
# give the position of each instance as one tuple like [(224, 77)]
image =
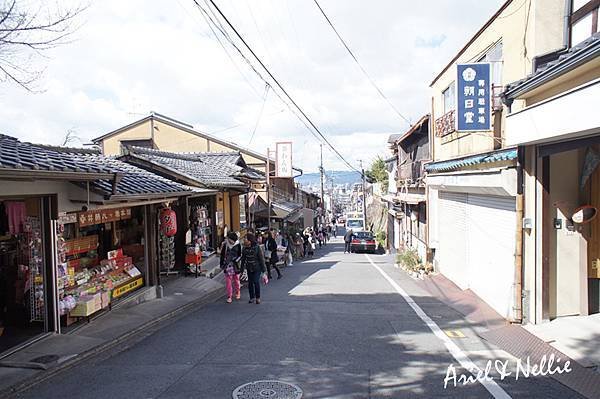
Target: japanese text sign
[(99, 216), (473, 95), (284, 160)]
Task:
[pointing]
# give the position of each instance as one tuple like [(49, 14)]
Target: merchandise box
[(87, 305)]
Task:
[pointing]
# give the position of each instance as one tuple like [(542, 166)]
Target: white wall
[(570, 115), (65, 191)]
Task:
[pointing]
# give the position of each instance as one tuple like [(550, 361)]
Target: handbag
[(265, 279)]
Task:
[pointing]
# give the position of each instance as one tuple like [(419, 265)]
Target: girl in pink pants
[(231, 252)]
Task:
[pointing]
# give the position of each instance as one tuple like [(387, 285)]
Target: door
[(491, 231), (452, 251)]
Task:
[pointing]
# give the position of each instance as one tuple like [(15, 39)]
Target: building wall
[(112, 145), (542, 33), (169, 138)]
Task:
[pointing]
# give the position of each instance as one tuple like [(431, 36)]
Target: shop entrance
[(23, 276)]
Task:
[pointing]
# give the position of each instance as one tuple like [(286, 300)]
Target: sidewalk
[(57, 352), (530, 340)]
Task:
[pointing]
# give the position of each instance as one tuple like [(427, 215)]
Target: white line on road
[(493, 388)]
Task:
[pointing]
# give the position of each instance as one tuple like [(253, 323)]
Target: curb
[(38, 378)]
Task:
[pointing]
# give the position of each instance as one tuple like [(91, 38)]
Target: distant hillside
[(339, 177)]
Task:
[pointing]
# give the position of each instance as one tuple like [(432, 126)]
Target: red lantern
[(168, 222)]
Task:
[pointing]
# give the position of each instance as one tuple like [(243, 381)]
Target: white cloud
[(136, 56)]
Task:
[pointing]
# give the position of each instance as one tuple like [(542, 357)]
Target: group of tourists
[(256, 254)]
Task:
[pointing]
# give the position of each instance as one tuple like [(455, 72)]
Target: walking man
[(347, 240)]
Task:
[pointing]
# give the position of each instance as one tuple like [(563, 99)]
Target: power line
[(360, 66), (267, 87), (279, 85)]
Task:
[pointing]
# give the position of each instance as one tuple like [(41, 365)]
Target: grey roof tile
[(223, 169), (15, 154)]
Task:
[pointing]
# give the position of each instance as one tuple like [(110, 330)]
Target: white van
[(356, 224)]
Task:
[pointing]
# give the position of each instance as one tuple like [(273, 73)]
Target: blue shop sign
[(473, 92)]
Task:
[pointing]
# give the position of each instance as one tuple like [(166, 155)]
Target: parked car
[(363, 241)]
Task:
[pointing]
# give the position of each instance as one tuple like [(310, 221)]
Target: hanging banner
[(99, 216), (283, 159), (473, 92)]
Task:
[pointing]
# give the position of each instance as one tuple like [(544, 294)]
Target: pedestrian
[(334, 230), (299, 243), (320, 238), (347, 240), (231, 252), (286, 242), (312, 244), (273, 258), (305, 241), (253, 261)]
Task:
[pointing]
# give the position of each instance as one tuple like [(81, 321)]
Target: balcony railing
[(445, 124)]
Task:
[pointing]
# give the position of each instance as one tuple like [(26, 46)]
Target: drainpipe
[(519, 202), (566, 30)]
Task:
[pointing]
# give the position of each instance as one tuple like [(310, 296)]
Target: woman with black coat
[(253, 261)]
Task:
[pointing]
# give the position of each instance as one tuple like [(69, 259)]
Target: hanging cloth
[(16, 212)]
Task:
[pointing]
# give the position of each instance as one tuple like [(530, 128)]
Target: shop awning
[(508, 154), (283, 209)]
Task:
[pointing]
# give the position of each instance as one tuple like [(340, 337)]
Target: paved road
[(334, 326)]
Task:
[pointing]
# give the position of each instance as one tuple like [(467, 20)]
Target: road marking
[(455, 334), (493, 388)]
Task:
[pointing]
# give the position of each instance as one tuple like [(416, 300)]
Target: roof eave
[(554, 72), (29, 174)]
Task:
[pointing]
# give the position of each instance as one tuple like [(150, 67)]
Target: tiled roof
[(454, 164), (571, 58), (223, 169), (15, 154)]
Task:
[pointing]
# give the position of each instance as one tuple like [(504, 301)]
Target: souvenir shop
[(101, 259), (25, 270), (201, 231)]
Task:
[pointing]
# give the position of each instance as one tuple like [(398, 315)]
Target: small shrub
[(409, 258), (380, 236)]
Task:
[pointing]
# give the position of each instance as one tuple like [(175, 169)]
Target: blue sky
[(130, 58)]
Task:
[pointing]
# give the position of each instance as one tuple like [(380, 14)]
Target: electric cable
[(361, 67), (280, 86)]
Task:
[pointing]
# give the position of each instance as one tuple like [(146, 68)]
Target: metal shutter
[(452, 228), (491, 223)]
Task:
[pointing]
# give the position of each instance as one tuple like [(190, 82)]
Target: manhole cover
[(45, 359), (267, 389)]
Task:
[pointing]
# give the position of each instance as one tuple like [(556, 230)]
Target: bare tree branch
[(26, 32)]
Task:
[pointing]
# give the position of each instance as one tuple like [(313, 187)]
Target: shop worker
[(231, 253), (253, 261)]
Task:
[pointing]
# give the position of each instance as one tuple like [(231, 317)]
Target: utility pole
[(322, 190), (268, 189), (364, 193)]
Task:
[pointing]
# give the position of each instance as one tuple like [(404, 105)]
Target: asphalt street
[(334, 326)]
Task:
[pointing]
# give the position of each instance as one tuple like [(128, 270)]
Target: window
[(449, 98), (494, 57), (583, 20)]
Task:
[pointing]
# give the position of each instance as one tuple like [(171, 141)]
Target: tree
[(378, 173), (26, 32)]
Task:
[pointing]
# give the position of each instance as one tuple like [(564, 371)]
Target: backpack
[(251, 255)]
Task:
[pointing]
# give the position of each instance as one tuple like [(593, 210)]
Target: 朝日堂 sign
[(473, 94), (99, 216), (284, 160)]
